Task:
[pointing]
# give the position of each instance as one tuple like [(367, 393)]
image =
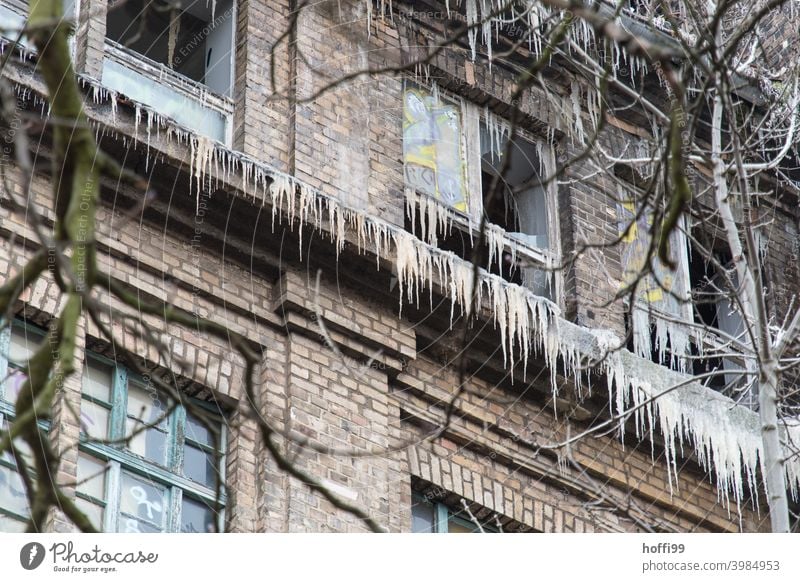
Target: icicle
[(725, 437), (472, 21), (641, 331)]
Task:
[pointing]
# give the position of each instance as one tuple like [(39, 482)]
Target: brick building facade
[(259, 198)]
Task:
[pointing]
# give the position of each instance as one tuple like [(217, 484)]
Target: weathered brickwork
[(340, 368)]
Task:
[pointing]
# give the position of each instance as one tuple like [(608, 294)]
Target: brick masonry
[(366, 379)]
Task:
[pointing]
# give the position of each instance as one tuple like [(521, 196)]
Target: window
[(13, 14), (17, 344), (661, 298), (520, 207), (141, 467), (715, 310), (429, 516), (433, 151), (451, 153), (191, 37), (175, 56)]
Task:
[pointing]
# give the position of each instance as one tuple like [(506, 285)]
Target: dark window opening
[(181, 34), (713, 308), (519, 203), (459, 243)]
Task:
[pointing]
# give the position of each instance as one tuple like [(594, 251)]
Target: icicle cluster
[(726, 437)]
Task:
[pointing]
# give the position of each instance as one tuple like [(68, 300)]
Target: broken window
[(165, 53), (714, 309), (451, 157), (660, 293), (519, 204), (433, 150), (191, 37)]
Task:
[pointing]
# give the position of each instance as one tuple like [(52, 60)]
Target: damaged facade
[(335, 230)]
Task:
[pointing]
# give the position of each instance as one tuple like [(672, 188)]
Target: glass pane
[(143, 500), (91, 477), (196, 517), (22, 344), (196, 431), (10, 525), (21, 445), (149, 443), (422, 517), (131, 525), (144, 404), (144, 407), (92, 511), (433, 155), (12, 492), (98, 380), (13, 384), (94, 419), (460, 526), (198, 466)]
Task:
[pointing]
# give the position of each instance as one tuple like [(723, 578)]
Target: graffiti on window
[(432, 152)]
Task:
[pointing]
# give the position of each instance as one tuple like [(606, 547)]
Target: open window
[(175, 56), (715, 310), (191, 37), (451, 154), (519, 203)]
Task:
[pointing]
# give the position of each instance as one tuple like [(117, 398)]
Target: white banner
[(401, 557)]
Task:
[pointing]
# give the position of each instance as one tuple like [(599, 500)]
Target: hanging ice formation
[(725, 437)]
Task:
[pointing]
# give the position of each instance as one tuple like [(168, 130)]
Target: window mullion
[(177, 439), (472, 154), (174, 516), (441, 518), (119, 402), (113, 494), (5, 340)]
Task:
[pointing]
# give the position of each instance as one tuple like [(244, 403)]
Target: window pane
[(198, 466), (149, 443), (461, 526), (22, 344), (13, 384), (22, 448), (196, 517), (92, 511), (144, 404), (422, 517), (91, 477), (131, 525), (432, 147), (9, 525), (143, 500), (95, 419), (195, 115), (12, 492), (97, 380), (144, 407), (197, 431)]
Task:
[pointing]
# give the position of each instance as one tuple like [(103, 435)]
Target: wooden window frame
[(119, 459)]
